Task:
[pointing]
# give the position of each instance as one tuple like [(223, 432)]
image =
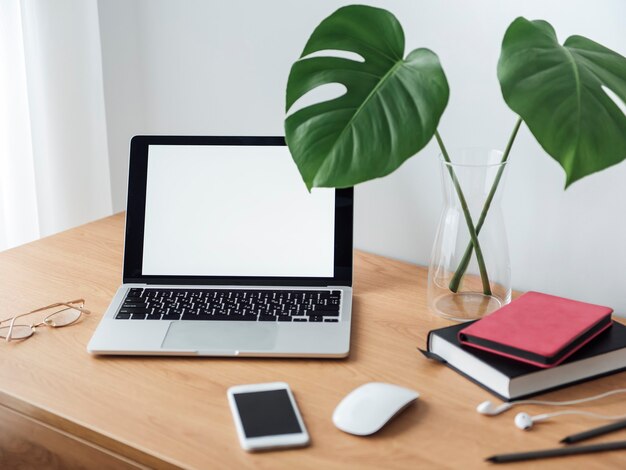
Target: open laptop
[(228, 254)]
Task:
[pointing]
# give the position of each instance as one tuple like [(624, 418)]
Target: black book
[(512, 380)]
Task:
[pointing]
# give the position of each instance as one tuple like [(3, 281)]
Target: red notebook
[(539, 329)]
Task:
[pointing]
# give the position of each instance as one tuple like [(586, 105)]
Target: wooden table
[(61, 407)]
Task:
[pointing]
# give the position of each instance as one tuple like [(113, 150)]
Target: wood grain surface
[(26, 443), (173, 412)]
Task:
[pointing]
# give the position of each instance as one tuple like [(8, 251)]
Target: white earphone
[(525, 421)]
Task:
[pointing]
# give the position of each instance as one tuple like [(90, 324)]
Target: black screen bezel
[(256, 408), (135, 219)]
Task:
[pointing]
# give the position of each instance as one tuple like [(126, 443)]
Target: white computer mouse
[(369, 407)]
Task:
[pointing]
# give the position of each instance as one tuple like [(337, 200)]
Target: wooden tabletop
[(172, 412)]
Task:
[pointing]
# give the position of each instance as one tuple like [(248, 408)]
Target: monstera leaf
[(557, 91), (389, 112)]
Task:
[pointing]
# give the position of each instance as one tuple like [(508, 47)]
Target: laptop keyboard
[(231, 305)]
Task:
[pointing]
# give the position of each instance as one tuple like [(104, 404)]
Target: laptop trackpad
[(220, 336)]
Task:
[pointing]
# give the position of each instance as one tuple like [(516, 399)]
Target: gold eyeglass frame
[(77, 304)]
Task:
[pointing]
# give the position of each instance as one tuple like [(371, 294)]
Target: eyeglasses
[(66, 316)]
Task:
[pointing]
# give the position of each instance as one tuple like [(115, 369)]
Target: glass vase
[(465, 283)]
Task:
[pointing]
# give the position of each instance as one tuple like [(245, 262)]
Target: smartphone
[(266, 416)]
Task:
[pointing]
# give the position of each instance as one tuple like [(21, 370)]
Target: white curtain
[(54, 169)]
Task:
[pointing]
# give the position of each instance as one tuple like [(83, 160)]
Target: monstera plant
[(392, 104)]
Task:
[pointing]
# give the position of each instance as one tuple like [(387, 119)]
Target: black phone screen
[(266, 413)]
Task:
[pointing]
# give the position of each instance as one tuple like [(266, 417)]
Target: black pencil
[(559, 452), (594, 432)]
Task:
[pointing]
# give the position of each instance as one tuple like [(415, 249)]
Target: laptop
[(227, 254)]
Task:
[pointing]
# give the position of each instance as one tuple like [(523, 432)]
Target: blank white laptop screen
[(234, 211)]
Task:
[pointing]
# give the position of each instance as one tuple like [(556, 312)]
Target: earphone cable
[(570, 402), (581, 412)]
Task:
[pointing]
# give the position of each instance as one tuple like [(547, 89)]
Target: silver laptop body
[(228, 254)]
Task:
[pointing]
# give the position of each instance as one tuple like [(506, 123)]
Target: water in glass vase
[(469, 275)]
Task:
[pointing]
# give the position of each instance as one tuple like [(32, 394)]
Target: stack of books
[(535, 344)]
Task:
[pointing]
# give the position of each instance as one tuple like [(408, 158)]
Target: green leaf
[(557, 91), (389, 112)]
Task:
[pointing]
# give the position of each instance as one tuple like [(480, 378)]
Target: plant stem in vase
[(460, 271), (467, 183)]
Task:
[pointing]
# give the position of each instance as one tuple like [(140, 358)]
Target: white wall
[(199, 67)]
